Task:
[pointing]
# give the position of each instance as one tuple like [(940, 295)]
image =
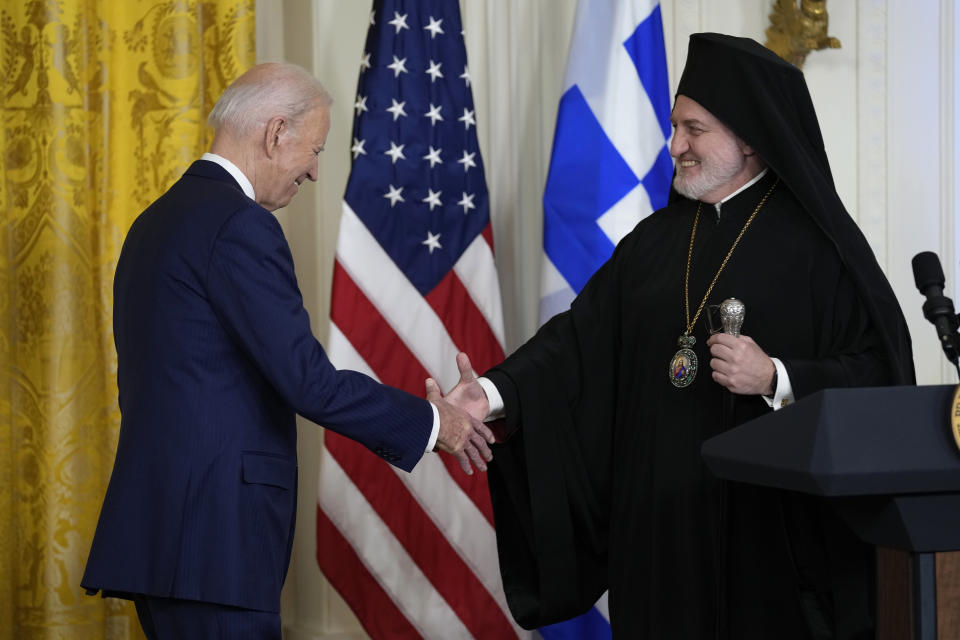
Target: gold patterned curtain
[(102, 106)]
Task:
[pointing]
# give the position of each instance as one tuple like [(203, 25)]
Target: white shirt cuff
[(432, 442), (783, 394), (494, 399)]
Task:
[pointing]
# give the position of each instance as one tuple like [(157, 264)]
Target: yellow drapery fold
[(102, 106)]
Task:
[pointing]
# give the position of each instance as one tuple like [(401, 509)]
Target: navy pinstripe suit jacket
[(215, 357)]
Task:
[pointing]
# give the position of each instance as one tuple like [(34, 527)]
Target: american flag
[(414, 283)]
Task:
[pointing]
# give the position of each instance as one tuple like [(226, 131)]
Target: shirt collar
[(749, 184), (234, 171)]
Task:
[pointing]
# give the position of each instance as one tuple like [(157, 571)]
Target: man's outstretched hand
[(468, 394), (461, 434)]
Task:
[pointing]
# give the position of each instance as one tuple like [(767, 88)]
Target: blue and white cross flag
[(610, 165)]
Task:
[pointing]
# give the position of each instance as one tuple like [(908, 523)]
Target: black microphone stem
[(938, 308)]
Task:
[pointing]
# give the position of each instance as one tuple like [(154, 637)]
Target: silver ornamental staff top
[(731, 315)]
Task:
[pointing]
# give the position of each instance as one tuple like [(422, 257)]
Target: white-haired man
[(215, 359)]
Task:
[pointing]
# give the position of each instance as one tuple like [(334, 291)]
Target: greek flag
[(610, 164)]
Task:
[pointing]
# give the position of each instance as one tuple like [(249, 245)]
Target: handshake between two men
[(463, 433), (738, 364)]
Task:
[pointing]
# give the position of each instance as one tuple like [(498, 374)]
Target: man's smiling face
[(711, 161), (296, 158)]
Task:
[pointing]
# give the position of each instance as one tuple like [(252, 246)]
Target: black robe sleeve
[(851, 350), (550, 482)]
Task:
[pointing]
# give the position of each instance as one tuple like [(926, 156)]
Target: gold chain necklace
[(683, 366)]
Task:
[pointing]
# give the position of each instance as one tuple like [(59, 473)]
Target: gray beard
[(696, 188), (689, 188), (710, 177)]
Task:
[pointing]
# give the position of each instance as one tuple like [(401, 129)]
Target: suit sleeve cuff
[(435, 433), (493, 398), (783, 394)]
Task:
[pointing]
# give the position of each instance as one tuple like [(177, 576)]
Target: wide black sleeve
[(849, 350), (550, 482)]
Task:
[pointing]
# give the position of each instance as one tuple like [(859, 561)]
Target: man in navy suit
[(216, 357)]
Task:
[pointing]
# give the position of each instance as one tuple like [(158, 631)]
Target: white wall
[(886, 102)]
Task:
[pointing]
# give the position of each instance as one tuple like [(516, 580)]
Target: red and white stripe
[(412, 554)]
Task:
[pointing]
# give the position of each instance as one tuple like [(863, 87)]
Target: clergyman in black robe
[(600, 484)]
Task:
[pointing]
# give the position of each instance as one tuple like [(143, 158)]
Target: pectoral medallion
[(683, 365)]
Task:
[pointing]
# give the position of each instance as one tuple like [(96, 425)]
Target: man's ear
[(746, 149), (276, 126)]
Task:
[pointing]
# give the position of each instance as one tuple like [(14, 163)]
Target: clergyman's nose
[(678, 144)]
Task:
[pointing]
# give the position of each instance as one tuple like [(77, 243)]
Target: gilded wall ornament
[(797, 29)]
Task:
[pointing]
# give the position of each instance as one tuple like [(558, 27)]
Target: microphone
[(938, 309)]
